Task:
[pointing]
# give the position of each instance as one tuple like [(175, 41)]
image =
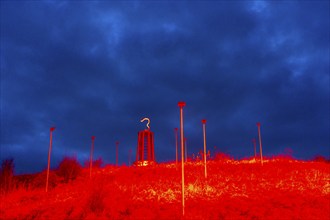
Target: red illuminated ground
[(280, 189)]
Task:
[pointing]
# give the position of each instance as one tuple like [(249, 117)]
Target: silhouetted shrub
[(221, 157), (7, 175), (69, 169), (96, 163), (287, 154), (319, 158), (24, 180), (39, 181)]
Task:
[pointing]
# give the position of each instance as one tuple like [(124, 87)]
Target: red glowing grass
[(280, 189)]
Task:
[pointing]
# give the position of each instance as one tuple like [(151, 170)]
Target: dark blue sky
[(97, 68)]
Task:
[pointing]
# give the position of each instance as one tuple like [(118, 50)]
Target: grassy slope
[(234, 190)]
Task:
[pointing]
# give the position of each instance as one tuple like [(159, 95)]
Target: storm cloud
[(97, 68)]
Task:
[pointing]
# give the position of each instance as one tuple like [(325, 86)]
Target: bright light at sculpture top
[(147, 122)]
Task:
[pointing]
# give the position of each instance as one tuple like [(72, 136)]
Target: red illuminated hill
[(280, 189)]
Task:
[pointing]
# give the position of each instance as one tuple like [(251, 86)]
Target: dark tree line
[(68, 170), (7, 175)]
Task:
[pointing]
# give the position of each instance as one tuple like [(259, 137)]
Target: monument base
[(144, 163)]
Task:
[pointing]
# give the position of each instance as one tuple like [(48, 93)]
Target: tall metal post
[(176, 145), (49, 152), (204, 137), (181, 105), (91, 157), (259, 133)]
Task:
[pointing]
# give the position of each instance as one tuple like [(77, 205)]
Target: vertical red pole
[(259, 133), (181, 105), (91, 157), (204, 137), (255, 147), (149, 146), (138, 147), (176, 145), (142, 147), (117, 143), (153, 147), (49, 152)]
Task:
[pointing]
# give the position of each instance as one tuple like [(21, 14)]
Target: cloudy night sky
[(97, 68)]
